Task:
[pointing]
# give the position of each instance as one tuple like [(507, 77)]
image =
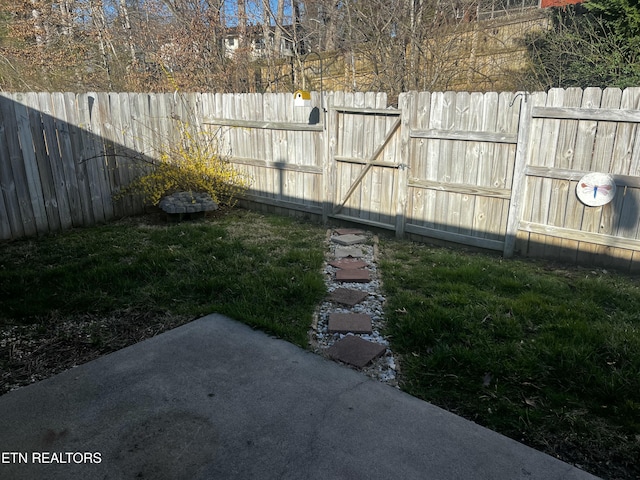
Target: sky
[(254, 8)]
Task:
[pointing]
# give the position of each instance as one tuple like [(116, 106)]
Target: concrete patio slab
[(215, 399)]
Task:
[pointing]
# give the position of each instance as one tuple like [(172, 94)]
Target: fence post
[(518, 184), (329, 168)]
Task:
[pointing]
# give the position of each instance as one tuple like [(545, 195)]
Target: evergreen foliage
[(595, 45)]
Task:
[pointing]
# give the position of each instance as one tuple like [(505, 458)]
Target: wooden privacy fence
[(492, 170)]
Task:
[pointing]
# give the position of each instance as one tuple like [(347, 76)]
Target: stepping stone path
[(348, 323)]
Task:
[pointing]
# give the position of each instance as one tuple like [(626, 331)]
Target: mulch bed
[(29, 353)]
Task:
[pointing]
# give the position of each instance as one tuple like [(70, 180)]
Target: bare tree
[(242, 23), (101, 31), (39, 14), (279, 24), (126, 26)]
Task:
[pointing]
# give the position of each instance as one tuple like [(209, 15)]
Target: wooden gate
[(440, 166), (365, 179)]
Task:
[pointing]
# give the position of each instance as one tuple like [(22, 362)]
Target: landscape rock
[(187, 202)]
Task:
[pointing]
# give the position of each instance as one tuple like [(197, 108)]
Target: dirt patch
[(29, 353)]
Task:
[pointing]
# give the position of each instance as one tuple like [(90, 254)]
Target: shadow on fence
[(526, 245), (55, 172)]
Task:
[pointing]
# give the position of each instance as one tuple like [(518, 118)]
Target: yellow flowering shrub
[(194, 166)]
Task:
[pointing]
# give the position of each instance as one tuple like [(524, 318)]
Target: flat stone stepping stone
[(349, 322), (342, 252), (349, 231), (353, 276), (355, 351), (348, 263), (348, 296), (349, 239)]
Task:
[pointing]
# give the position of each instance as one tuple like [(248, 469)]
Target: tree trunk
[(242, 24), (126, 26), (100, 26), (277, 38), (40, 28), (66, 17)]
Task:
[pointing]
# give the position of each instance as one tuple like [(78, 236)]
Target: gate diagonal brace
[(370, 160)]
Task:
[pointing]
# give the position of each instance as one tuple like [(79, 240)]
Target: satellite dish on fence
[(596, 189)]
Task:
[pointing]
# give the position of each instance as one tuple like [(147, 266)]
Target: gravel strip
[(385, 368)]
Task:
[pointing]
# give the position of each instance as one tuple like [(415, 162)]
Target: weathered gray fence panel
[(461, 166), (492, 170), (273, 143), (575, 132)]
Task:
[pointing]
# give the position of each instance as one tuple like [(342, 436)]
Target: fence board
[(135, 163), (285, 109), (318, 149), (603, 161), (67, 159), (505, 154), (32, 175), (444, 217), (531, 151), (461, 151), (513, 235), (344, 140), (563, 199), (71, 102), (369, 140), (90, 156), (103, 163), (268, 184), (255, 114), (469, 155), (5, 228), (544, 186), (484, 208), (294, 153), (587, 113), (47, 185), (357, 151), (282, 178), (379, 182), (14, 185), (13, 221), (432, 147), (419, 199), (590, 217), (55, 161)]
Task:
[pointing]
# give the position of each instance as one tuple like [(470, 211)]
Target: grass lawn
[(547, 356), (68, 298)]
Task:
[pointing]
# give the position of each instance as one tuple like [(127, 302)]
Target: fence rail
[(492, 170)]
